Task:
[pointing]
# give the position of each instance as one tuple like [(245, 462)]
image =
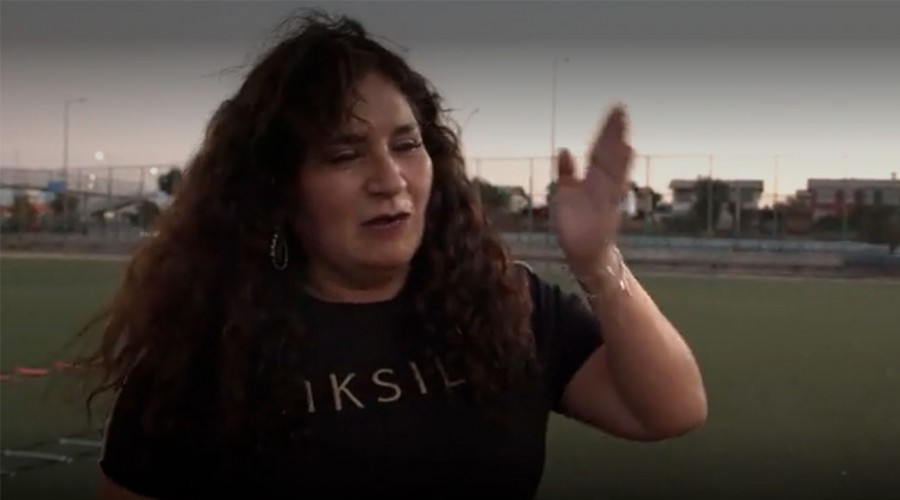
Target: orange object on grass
[(31, 372), (63, 365)]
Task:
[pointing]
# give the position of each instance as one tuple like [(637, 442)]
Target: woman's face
[(363, 194)]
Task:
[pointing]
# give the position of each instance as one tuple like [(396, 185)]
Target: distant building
[(684, 193), (643, 199), (829, 197)]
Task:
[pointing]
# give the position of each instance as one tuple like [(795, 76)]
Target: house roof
[(677, 184), (853, 183)]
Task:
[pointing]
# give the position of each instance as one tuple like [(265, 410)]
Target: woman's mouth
[(387, 220)]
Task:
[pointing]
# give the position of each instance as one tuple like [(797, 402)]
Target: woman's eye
[(409, 145), (343, 157)]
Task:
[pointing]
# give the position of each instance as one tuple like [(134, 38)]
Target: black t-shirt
[(378, 418)]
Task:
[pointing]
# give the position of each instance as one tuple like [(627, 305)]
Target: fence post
[(530, 198), (775, 201), (648, 216)]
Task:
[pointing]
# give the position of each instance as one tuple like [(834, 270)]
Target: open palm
[(587, 208)]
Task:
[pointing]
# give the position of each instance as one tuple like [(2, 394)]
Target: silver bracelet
[(613, 278)]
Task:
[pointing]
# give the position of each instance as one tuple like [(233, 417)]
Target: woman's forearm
[(653, 368)]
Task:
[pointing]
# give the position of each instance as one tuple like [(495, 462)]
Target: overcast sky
[(745, 81)]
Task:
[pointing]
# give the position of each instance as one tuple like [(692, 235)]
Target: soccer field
[(803, 379)]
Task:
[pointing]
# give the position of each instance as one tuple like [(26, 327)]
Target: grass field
[(803, 379)]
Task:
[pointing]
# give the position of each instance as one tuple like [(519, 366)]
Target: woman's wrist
[(605, 278)]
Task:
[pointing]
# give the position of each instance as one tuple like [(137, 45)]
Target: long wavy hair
[(201, 305)]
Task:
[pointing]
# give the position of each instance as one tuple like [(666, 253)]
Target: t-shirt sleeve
[(566, 332), (156, 466)]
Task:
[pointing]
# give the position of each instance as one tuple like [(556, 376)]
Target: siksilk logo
[(348, 391)]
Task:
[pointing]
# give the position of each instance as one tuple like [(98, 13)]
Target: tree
[(875, 223), (720, 196), (767, 215), (655, 198), (168, 183), (492, 197), (893, 232), (64, 203), (551, 192), (23, 213)]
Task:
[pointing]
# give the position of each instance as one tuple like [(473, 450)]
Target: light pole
[(462, 129), (709, 198), (556, 61), (553, 177), (65, 159)]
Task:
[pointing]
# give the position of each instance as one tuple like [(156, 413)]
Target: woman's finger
[(565, 167)]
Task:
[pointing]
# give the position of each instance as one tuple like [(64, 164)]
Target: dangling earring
[(278, 251)]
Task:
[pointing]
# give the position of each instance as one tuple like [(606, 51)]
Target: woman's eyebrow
[(350, 138)]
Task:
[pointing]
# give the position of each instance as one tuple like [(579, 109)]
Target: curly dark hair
[(200, 302)]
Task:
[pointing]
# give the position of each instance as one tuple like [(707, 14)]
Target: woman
[(325, 311)]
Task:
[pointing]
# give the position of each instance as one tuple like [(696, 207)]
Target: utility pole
[(553, 177), (709, 199), (65, 158)]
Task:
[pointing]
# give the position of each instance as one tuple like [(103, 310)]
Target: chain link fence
[(114, 202), (797, 197), (851, 198)]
